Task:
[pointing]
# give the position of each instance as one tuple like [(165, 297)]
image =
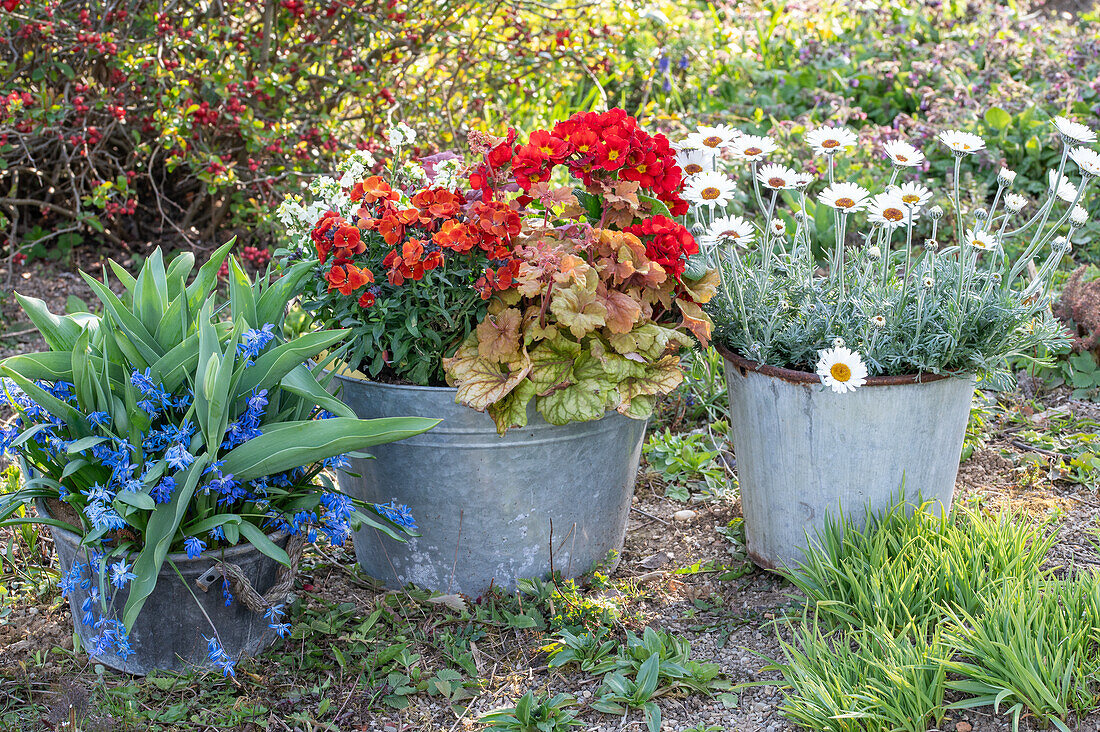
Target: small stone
[(685, 515), (963, 727)]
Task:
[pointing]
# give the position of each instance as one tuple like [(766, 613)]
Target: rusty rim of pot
[(744, 365)]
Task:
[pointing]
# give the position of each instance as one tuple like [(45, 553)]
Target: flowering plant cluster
[(516, 287), (894, 292), (163, 427)]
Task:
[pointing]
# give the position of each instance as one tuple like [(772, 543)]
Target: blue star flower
[(194, 547)]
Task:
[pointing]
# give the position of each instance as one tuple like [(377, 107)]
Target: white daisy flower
[(913, 195), (1063, 188), (928, 283), (841, 370), (982, 240), (801, 180), (729, 230), (1088, 161), (1006, 177), (887, 209), (714, 138), (777, 227), (753, 147), (694, 161), (847, 197), (1014, 202), (878, 321), (776, 177), (1073, 133), (710, 188), (961, 143), (902, 154), (830, 140), (1078, 216)]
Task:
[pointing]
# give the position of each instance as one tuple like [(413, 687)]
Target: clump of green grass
[(908, 566), (911, 597), (869, 680), (1032, 646)]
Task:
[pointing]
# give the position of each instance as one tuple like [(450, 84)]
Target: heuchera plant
[(170, 423), (586, 313)]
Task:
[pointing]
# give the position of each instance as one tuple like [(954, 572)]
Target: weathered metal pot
[(489, 509), (168, 634), (804, 451)]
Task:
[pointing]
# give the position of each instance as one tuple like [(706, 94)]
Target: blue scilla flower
[(339, 504), (178, 457), (281, 629), (217, 533), (398, 513), (324, 414), (338, 462), (122, 645), (257, 402), (274, 612), (194, 547), (683, 62), (663, 64), (7, 436), (69, 582), (183, 401), (103, 516), (88, 617), (255, 340), (215, 466), (162, 491), (99, 419), (217, 654), (143, 381), (121, 574), (226, 593)]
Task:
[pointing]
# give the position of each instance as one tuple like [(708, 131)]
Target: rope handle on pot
[(242, 587)]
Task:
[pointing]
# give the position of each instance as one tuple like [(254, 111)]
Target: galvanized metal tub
[(168, 634), (489, 509), (804, 451)]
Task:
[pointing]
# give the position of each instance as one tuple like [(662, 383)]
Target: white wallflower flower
[(961, 143), (841, 370), (1014, 202), (776, 177), (830, 140), (729, 230), (982, 240), (1063, 188), (887, 209), (1088, 161), (753, 147), (1073, 133), (694, 161), (913, 195), (847, 197), (902, 154), (448, 173), (709, 188), (401, 134)]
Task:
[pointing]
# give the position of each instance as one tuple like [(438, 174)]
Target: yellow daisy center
[(753, 151), (830, 143), (712, 141), (776, 182), (709, 193), (910, 198), (840, 372), (693, 168), (901, 158), (845, 202), (892, 214)]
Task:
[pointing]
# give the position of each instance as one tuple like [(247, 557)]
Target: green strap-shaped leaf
[(202, 288), (295, 444), (257, 538), (151, 292), (242, 300), (272, 303), (123, 276), (164, 520), (60, 332), (129, 324), (303, 382), (176, 276), (50, 403), (275, 363), (45, 366), (172, 368)]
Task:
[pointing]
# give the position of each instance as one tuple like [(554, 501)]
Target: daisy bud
[(935, 213), (778, 227), (838, 343), (874, 253), (928, 283), (931, 245), (1006, 177), (811, 308), (1078, 216), (1061, 244), (979, 214), (878, 321), (996, 277), (698, 229)]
